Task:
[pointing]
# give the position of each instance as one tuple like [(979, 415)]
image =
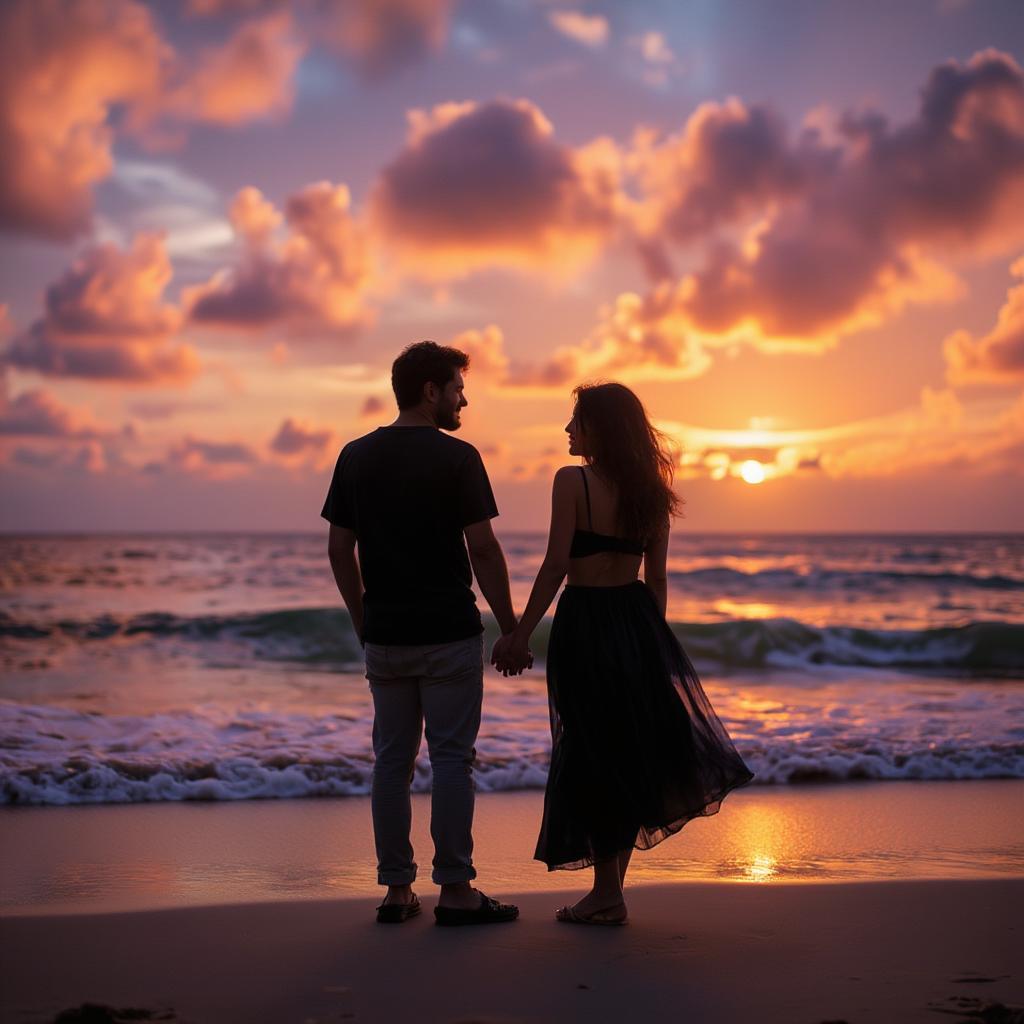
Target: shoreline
[(90, 859), (538, 531), (857, 952)]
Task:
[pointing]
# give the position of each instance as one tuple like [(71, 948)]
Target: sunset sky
[(796, 228)]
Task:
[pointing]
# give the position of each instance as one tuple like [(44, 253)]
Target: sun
[(752, 471)]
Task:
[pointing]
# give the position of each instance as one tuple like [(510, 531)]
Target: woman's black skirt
[(637, 748)]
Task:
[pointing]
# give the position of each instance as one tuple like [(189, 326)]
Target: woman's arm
[(556, 559), (655, 574)]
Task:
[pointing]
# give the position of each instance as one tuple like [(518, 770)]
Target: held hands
[(511, 654)]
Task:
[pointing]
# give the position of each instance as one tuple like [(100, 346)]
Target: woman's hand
[(511, 654)]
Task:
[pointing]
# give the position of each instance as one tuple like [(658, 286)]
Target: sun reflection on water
[(728, 608), (766, 841), (761, 868)]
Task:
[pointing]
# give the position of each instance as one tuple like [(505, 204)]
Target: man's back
[(407, 493)]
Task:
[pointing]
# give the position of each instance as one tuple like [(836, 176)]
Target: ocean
[(223, 667)]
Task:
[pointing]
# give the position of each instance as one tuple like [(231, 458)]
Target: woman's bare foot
[(598, 902), (613, 914)]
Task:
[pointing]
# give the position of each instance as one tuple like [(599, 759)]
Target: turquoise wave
[(323, 637)]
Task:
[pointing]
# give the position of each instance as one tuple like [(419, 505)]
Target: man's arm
[(491, 572), (341, 550)]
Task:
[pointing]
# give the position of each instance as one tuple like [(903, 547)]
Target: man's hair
[(424, 362)]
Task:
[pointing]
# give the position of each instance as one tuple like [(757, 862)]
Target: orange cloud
[(838, 232), (249, 77), (998, 357), (63, 66), (941, 434), (105, 319), (590, 30), (313, 281), (637, 338), (67, 65), (485, 184), (486, 351), (940, 431), (253, 217)]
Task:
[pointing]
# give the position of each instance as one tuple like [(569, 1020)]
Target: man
[(411, 498)]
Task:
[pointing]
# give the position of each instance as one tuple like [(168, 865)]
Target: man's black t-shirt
[(407, 493)]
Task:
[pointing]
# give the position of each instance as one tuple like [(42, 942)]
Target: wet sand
[(98, 859)]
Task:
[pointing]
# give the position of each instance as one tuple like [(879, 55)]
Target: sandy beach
[(867, 952), (795, 904), (716, 447)]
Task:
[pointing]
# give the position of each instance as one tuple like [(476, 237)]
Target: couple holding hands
[(637, 750)]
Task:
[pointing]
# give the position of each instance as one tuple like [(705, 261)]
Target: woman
[(637, 748)]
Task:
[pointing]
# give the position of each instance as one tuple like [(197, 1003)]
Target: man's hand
[(511, 655)]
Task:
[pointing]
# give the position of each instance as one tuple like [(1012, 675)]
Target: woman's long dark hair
[(624, 449)]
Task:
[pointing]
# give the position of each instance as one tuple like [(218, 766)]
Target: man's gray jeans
[(441, 685)]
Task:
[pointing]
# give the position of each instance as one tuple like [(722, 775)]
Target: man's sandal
[(396, 913), (490, 911)]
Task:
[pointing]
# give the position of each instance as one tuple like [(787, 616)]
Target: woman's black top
[(586, 542)]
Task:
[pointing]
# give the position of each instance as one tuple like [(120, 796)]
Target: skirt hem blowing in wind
[(637, 749)]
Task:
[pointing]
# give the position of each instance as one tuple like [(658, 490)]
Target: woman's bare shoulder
[(566, 473)]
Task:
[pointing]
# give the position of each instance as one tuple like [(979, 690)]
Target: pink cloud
[(38, 413), (89, 457), (312, 281), (216, 459), (378, 36), (488, 184), (373, 406), (730, 160), (105, 319), (295, 437), (997, 357), (840, 230), (216, 8), (381, 36), (66, 67)]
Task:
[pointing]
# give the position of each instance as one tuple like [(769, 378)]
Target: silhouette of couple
[(637, 749)]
